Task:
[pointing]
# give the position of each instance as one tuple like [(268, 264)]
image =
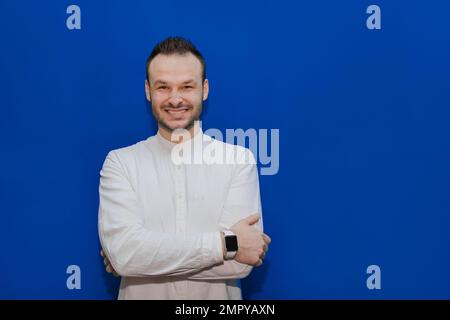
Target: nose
[(175, 99)]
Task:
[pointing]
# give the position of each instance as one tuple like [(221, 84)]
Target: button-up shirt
[(160, 220)]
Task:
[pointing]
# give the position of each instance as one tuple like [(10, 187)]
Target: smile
[(176, 111)]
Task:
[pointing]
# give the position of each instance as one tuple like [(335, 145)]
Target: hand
[(109, 267), (253, 244)]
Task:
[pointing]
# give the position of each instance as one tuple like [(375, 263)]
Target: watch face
[(231, 243)]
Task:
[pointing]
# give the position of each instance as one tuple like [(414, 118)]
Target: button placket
[(180, 194), (180, 215)]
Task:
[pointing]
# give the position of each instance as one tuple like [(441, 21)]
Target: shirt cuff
[(213, 253)]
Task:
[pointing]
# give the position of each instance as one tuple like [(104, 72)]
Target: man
[(179, 230)]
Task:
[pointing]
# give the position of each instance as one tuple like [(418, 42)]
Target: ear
[(205, 89), (147, 90)]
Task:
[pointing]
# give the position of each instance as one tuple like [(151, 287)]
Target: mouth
[(177, 111)]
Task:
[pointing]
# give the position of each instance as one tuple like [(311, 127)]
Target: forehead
[(175, 67)]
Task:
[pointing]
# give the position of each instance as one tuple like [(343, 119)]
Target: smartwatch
[(231, 244)]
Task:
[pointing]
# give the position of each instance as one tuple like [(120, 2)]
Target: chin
[(174, 125)]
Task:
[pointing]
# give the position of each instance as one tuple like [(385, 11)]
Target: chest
[(181, 198)]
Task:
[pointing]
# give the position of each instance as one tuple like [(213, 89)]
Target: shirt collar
[(169, 144)]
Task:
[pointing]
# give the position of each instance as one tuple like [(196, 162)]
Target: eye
[(188, 87), (162, 88)]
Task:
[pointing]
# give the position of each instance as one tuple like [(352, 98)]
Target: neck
[(187, 134)]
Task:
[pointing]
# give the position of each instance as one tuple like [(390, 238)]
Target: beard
[(194, 116)]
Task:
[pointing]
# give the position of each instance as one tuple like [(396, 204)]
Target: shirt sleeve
[(132, 249), (243, 199)]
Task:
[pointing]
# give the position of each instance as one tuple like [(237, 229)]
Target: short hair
[(175, 45)]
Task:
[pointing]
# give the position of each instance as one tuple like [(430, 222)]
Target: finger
[(106, 262), (266, 238), (102, 253), (109, 269), (263, 256), (265, 248), (260, 262), (252, 219)]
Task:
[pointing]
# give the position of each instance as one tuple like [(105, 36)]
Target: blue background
[(364, 136)]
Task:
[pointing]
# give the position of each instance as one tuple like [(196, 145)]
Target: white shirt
[(159, 222)]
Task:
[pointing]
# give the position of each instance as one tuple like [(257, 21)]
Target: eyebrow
[(159, 82), (164, 82)]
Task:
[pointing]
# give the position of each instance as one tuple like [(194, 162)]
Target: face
[(176, 90)]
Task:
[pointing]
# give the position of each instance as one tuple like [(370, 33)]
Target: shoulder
[(240, 155), (127, 155)]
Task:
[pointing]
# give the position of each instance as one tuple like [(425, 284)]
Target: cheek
[(156, 102), (195, 99)]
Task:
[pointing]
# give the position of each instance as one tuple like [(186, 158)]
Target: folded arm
[(132, 249)]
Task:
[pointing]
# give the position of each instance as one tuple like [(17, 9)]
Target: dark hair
[(175, 45)]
